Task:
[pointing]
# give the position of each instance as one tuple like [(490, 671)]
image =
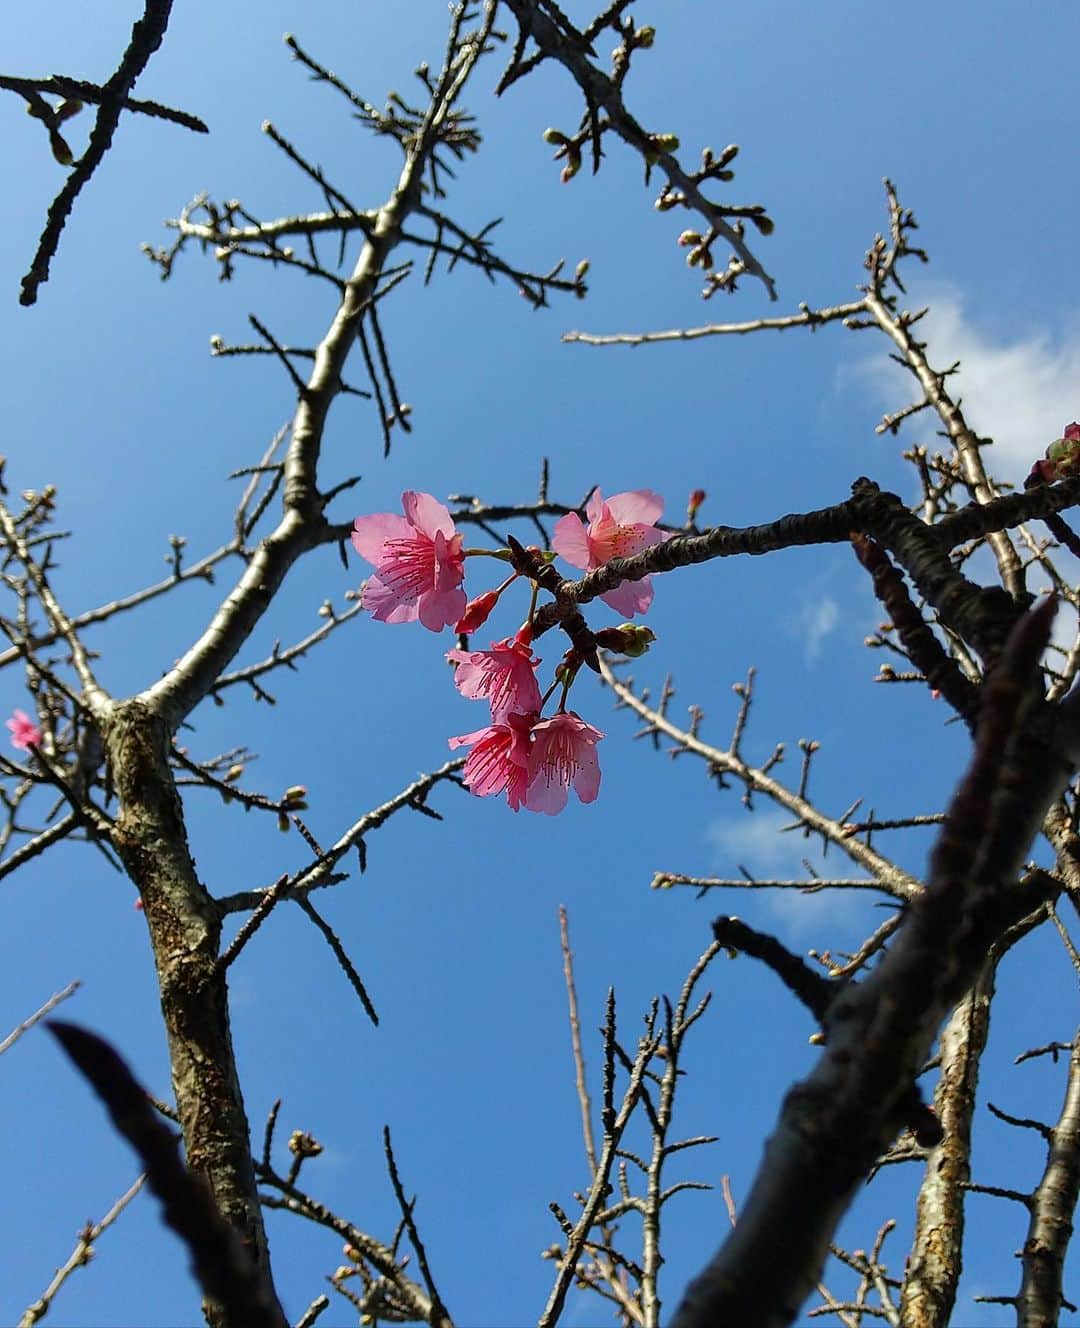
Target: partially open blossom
[(618, 528), (419, 564), (499, 760), (505, 675), (476, 612), (562, 755), (1062, 458), (24, 732)]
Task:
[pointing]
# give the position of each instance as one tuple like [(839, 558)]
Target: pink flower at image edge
[(24, 732), (419, 565), (619, 527)]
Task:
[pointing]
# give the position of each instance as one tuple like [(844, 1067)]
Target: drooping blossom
[(619, 527), (505, 675), (499, 760), (24, 732), (562, 755), (419, 565)]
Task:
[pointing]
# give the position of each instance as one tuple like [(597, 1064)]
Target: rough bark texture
[(1052, 1207), (185, 927), (929, 1291)]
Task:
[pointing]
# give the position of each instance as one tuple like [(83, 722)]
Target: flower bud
[(233, 773), (476, 612), (689, 237), (60, 149), (1062, 456), (628, 639), (694, 502), (302, 1144), (644, 37), (555, 138), (666, 142)]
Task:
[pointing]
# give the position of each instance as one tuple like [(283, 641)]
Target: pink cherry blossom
[(499, 760), (419, 565), (618, 528), (505, 675), (24, 732), (563, 753)]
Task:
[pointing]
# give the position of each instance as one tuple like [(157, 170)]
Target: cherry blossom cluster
[(419, 561)]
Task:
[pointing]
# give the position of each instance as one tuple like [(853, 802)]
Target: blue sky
[(112, 395)]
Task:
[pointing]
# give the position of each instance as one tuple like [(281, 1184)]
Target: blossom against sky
[(113, 396)]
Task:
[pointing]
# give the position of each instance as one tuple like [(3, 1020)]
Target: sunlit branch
[(39, 1014), (807, 317), (41, 841), (556, 39), (1053, 1203), (80, 1256), (63, 627), (887, 876)]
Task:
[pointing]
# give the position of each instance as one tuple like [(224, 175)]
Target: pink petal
[(498, 760), (544, 796), (440, 608), (386, 603), (587, 779), (570, 540), (370, 534), (467, 739), (596, 509), (639, 505), (427, 514), (449, 562), (630, 597)]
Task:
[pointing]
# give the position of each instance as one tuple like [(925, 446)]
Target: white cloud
[(818, 620), (1021, 392), (754, 840), (757, 841)]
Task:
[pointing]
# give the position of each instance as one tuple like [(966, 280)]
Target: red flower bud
[(476, 612)]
